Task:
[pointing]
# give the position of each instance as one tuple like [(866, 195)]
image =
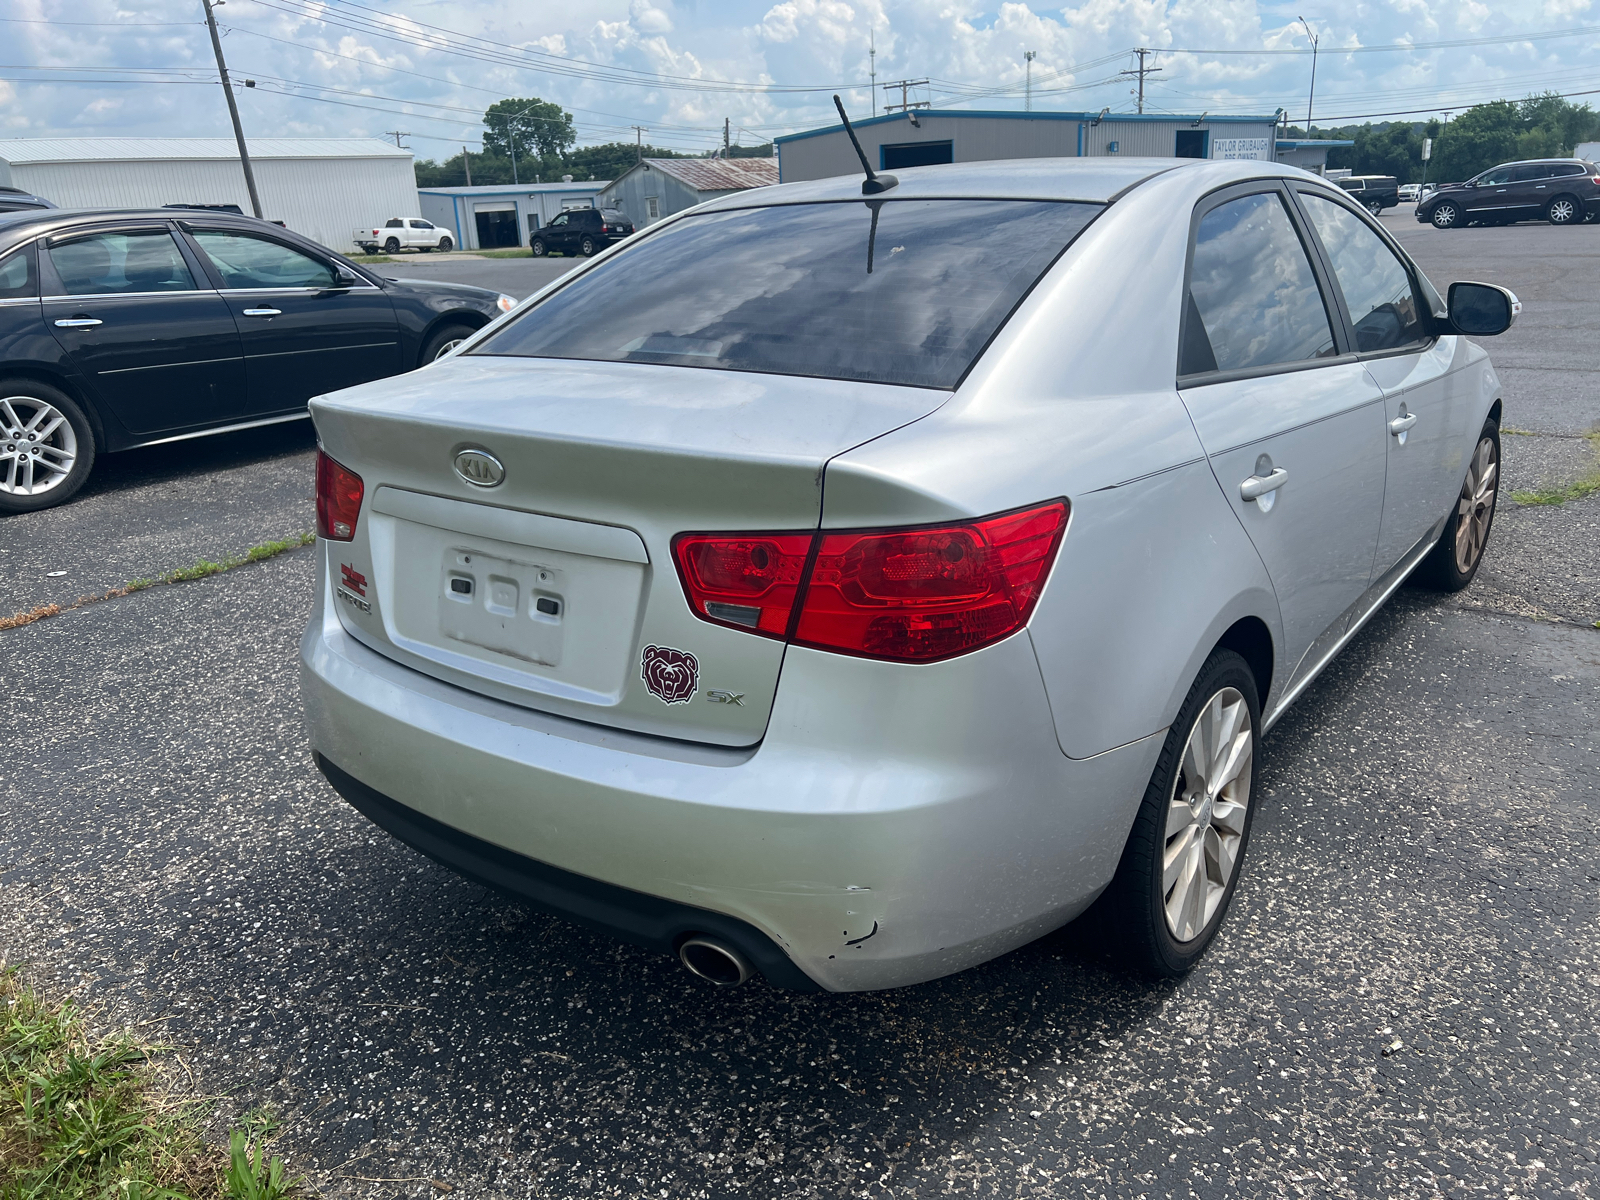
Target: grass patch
[(522, 253), (367, 258), (197, 570), (1578, 489), (86, 1118)]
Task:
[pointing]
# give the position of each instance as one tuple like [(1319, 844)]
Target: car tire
[(1445, 216), (1565, 210), (1375, 207), (1160, 930), (446, 245), (369, 249), (1458, 554), (444, 339), (392, 246), (538, 247), (25, 403), (588, 247)]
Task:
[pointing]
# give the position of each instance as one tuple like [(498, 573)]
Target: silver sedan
[(849, 588)]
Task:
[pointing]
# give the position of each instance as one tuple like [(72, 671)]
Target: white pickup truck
[(403, 233)]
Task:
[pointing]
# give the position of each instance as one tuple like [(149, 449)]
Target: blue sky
[(678, 67)]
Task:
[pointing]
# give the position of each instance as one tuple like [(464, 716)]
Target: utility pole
[(1309, 99), (725, 153), (466, 166), (1028, 56), (397, 134), (906, 103), (640, 131), (1141, 71), (233, 108), (872, 59)]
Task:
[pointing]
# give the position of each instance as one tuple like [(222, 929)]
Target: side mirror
[(1482, 309)]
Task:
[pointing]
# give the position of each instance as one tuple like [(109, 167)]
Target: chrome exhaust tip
[(711, 960)]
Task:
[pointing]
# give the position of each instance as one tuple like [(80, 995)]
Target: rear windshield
[(883, 291)]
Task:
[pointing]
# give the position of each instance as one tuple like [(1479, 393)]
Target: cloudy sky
[(678, 67)]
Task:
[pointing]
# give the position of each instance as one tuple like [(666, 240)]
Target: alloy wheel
[(1562, 211), (447, 347), (1445, 216), (37, 446), (1206, 814), (1475, 509)]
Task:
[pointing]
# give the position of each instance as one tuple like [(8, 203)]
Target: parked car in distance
[(585, 231), (122, 329), (403, 233), (16, 200), (761, 596), (1562, 191), (1410, 192), (1373, 192)]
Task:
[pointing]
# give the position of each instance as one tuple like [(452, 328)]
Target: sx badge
[(669, 675)]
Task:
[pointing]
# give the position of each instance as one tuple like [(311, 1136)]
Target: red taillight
[(748, 580), (338, 500), (909, 595)]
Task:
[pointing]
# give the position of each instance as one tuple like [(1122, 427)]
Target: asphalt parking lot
[(1403, 1002)]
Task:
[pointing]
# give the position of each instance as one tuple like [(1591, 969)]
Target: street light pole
[(233, 108), (1312, 97)]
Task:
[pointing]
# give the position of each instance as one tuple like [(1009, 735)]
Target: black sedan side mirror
[(1482, 309)]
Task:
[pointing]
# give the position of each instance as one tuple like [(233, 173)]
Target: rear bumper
[(895, 825)]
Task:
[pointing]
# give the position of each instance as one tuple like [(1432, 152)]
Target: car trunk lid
[(555, 587)]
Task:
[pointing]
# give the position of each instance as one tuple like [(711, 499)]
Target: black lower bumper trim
[(632, 916)]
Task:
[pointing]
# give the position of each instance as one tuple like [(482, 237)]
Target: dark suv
[(584, 231), (1563, 191), (1374, 192)]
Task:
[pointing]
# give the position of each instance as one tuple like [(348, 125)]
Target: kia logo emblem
[(480, 468)]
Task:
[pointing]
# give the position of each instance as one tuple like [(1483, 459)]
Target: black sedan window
[(246, 261), (132, 261), (16, 275), (884, 291)]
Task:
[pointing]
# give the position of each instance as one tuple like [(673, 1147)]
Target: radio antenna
[(873, 183)]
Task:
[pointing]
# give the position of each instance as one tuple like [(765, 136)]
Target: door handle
[(1258, 486), (1402, 423), (76, 323), (263, 312)]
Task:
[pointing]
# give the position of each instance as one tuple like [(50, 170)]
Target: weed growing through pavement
[(1587, 485), (86, 1118), (198, 570)]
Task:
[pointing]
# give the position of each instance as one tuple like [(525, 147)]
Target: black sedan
[(123, 329)]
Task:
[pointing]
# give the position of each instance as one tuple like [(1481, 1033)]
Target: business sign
[(1256, 148)]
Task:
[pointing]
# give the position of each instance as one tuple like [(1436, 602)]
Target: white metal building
[(324, 188), (926, 136), (1309, 154), (487, 216), (658, 187)]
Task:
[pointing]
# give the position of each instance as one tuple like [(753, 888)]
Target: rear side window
[(107, 263), (17, 278), (1376, 286), (1253, 300), (883, 291)]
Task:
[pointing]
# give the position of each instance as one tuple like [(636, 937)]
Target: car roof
[(18, 227), (1095, 180)]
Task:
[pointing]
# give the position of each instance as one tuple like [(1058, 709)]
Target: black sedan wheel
[(539, 248), (46, 446), (445, 340), (589, 247), (1445, 216)]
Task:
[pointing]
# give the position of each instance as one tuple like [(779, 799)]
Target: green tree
[(528, 125), (612, 159)]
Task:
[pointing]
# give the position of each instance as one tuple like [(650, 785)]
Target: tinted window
[(394, 223), (1377, 289), (561, 220), (244, 261), (888, 291), (144, 261), (1350, 185), (1494, 178), (1566, 169), (1253, 301), (17, 278), (1524, 173), (613, 214)]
